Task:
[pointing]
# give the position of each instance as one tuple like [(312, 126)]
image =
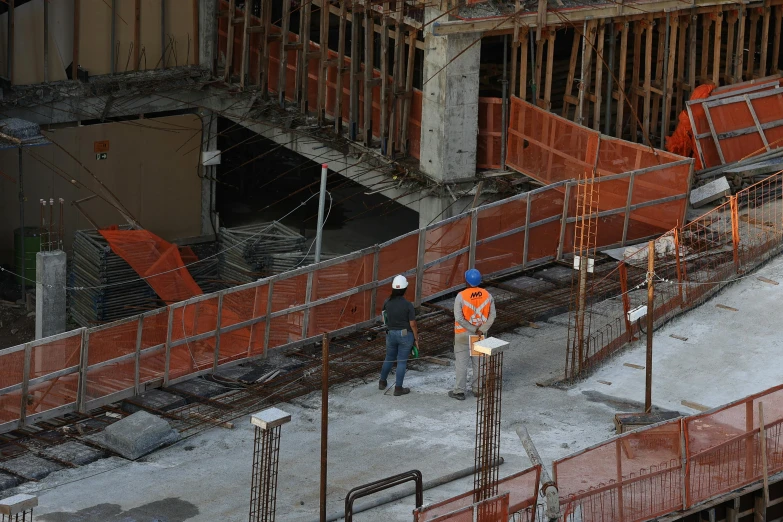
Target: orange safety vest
[(476, 304)]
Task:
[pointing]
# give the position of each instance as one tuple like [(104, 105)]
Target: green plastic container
[(32, 245)]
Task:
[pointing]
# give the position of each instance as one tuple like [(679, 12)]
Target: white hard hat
[(399, 282)]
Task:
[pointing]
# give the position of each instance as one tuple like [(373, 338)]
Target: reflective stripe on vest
[(475, 307)]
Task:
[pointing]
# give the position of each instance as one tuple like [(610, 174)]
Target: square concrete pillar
[(449, 133), (49, 293)]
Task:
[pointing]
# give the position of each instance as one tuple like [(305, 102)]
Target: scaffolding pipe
[(547, 484), (667, 50), (321, 202), (408, 491)]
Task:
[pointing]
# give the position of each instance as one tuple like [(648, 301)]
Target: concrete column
[(208, 173), (207, 33), (450, 103), (49, 293)]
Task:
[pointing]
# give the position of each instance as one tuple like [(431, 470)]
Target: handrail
[(382, 484)]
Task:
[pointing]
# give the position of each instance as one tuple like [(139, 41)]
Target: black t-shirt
[(399, 313)]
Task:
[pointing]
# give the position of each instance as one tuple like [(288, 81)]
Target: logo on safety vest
[(476, 294)]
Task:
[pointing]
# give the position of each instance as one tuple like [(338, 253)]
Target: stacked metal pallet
[(250, 252), (103, 287)]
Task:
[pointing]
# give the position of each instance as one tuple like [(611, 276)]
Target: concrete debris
[(153, 400), (137, 435), (709, 192)]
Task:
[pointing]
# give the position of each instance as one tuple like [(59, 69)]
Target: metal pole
[(610, 82), (324, 419), (650, 307), (547, 484), (504, 116), (321, 202), (665, 116), (21, 225)]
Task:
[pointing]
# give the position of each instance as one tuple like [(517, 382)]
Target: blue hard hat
[(473, 277)]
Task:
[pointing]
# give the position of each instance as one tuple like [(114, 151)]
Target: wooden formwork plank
[(667, 102), (523, 47), (262, 73), (621, 78), (537, 94), (767, 11), (647, 78), (599, 70), (301, 84), (284, 29), (243, 66), (706, 25), (752, 33), (353, 78), (383, 124), (776, 39), (588, 43), (514, 51), (739, 55), (229, 40), (369, 39), (406, 103), (716, 57), (681, 44), (569, 86), (338, 101), (660, 58), (731, 23), (323, 64), (692, 51), (550, 61), (396, 88), (635, 76)]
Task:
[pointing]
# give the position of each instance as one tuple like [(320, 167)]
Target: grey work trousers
[(462, 359)]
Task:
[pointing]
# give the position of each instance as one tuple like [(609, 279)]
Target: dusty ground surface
[(372, 435)]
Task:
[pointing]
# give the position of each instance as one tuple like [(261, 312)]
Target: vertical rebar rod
[(504, 116), (324, 420), (263, 491), (488, 409), (609, 82), (51, 218)]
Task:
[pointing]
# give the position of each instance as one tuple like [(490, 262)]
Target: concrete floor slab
[(154, 400), (727, 355), (75, 453), (31, 467), (200, 387)]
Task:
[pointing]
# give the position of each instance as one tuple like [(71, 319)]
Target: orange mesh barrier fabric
[(634, 477), (519, 490), (156, 260), (737, 123), (462, 508), (681, 141), (490, 123), (11, 377), (46, 390), (112, 349), (724, 450)]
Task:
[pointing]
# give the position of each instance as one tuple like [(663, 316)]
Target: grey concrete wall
[(50, 311), (449, 130)]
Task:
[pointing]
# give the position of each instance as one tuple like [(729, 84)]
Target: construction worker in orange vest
[(474, 313)]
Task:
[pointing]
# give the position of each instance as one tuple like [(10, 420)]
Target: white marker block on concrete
[(270, 418), (17, 504), (490, 346), (710, 192)]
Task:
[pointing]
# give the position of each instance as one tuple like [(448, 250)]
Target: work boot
[(477, 393), (399, 390), (381, 385), (457, 395)]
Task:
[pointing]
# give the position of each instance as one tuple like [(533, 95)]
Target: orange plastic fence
[(156, 260), (519, 491), (644, 474), (634, 477), (738, 122), (691, 264), (490, 123)]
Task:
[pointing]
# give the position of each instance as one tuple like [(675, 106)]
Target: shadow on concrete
[(166, 510)]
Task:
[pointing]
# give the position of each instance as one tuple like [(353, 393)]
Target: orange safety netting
[(154, 259), (682, 141)]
